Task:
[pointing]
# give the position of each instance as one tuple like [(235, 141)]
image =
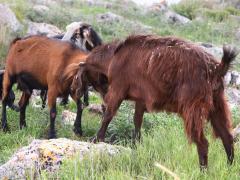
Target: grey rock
[(49, 154), (40, 9), (233, 97), (109, 17), (100, 3), (45, 2), (68, 117), (227, 78), (234, 18), (217, 52), (158, 8), (235, 78), (8, 19), (42, 28), (173, 18), (95, 108), (237, 34)]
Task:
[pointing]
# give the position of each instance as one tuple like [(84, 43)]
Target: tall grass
[(164, 143)]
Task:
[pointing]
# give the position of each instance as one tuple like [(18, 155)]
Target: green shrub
[(187, 8), (233, 11), (217, 15)]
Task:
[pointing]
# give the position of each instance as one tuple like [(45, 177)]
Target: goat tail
[(70, 71), (229, 55)]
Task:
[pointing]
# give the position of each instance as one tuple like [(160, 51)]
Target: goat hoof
[(6, 129), (94, 139), (15, 108), (78, 132), (230, 161), (52, 135), (203, 168), (23, 126)]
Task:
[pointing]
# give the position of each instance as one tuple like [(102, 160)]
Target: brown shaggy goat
[(38, 62), (163, 73)]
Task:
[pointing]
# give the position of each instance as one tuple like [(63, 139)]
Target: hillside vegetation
[(163, 138)]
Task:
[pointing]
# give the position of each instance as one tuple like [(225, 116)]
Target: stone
[(158, 8), (95, 108), (217, 52), (227, 78), (109, 17), (8, 19), (175, 18), (68, 117), (40, 9), (42, 28), (233, 96), (49, 154), (235, 78), (237, 34), (45, 2)]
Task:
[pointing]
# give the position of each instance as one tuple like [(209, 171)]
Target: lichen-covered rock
[(42, 28), (49, 154), (8, 19)]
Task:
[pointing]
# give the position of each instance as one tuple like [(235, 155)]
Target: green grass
[(164, 143)]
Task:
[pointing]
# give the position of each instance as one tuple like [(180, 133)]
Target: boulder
[(49, 154), (217, 52), (42, 28), (8, 19), (175, 18)]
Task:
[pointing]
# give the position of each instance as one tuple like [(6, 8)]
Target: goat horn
[(2, 71), (82, 63), (90, 42)]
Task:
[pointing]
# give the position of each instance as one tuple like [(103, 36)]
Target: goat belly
[(27, 82)]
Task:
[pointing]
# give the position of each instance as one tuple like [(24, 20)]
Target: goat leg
[(78, 124), (138, 119), (23, 104)]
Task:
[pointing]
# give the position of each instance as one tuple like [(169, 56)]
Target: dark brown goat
[(163, 73), (38, 62)]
